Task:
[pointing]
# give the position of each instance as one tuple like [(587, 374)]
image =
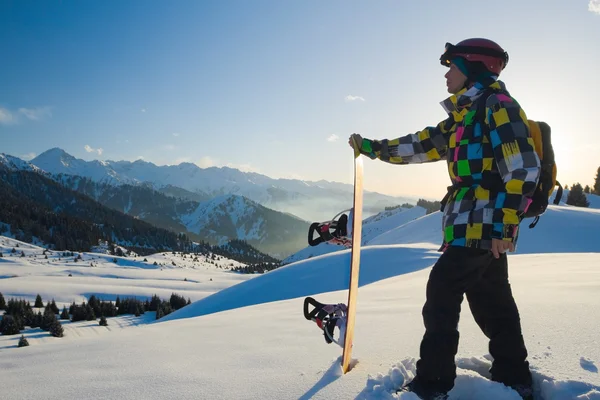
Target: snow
[(248, 339), (15, 163), (193, 277)]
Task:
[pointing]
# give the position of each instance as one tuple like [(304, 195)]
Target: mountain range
[(311, 201), (215, 205)]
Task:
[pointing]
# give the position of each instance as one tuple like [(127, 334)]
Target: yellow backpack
[(541, 135)]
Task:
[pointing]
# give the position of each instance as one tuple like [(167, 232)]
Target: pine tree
[(103, 321), (54, 307), (597, 183), (56, 329), (89, 313), (9, 325), (64, 314), (23, 341), (2, 302), (38, 302), (72, 308), (586, 189), (48, 319), (576, 196), (36, 321)]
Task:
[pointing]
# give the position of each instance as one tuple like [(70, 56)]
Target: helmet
[(489, 53)]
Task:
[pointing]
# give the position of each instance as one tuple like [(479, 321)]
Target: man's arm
[(518, 163), (430, 144)]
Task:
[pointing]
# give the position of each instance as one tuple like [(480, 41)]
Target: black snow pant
[(484, 280)]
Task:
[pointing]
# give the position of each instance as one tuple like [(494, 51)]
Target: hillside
[(29, 270), (254, 330), (32, 205)]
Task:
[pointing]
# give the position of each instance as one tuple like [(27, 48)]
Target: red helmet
[(477, 49)]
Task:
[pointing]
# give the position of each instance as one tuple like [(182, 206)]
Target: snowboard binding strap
[(327, 317), (334, 231)]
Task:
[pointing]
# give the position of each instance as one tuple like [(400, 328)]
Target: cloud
[(90, 149), (6, 117), (36, 114), (28, 156), (333, 138), (353, 98), (143, 110), (206, 162), (170, 147), (594, 6), (176, 134)]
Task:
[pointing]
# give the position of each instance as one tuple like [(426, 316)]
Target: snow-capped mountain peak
[(15, 163)]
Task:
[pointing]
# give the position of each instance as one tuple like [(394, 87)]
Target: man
[(494, 171)]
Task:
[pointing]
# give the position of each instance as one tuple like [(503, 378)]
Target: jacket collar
[(458, 104)]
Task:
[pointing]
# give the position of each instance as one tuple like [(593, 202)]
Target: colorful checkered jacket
[(494, 168)]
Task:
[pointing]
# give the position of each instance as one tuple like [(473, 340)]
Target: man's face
[(455, 80)]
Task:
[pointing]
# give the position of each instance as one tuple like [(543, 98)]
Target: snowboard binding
[(334, 231), (327, 317)]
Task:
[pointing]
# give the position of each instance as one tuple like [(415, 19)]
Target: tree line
[(577, 193), (19, 313)]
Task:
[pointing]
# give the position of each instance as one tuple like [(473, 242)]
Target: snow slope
[(97, 274), (372, 227), (250, 340), (560, 229)]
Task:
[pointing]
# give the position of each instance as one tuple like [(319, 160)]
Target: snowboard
[(355, 260)]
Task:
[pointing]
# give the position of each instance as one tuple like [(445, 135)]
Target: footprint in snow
[(588, 365)]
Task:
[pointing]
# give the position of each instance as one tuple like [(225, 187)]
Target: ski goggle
[(450, 51)]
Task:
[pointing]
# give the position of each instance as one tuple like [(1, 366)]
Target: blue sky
[(276, 87)]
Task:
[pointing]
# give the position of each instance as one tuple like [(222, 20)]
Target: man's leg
[(494, 309), (454, 272)]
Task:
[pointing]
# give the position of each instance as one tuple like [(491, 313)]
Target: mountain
[(176, 209), (15, 163), (139, 201), (216, 221), (180, 193), (35, 207), (312, 201), (231, 216), (56, 161)]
